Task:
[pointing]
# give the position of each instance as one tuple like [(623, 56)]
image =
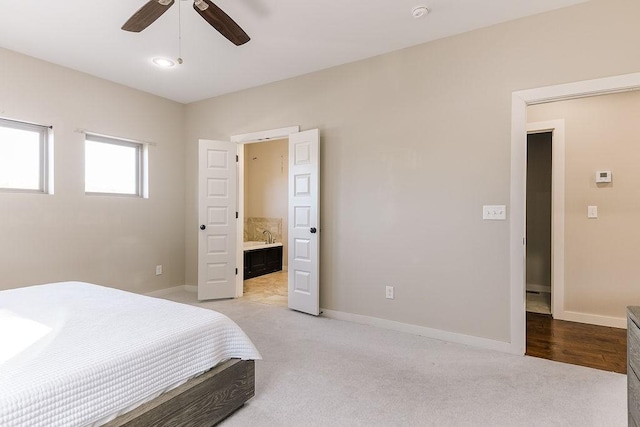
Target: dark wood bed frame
[(202, 401)]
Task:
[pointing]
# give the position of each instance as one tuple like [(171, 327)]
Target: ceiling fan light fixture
[(420, 11), (164, 2), (200, 4), (163, 62)]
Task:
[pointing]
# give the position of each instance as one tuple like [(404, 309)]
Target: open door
[(217, 195), (304, 221)]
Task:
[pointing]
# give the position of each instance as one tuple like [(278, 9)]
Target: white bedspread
[(75, 354)]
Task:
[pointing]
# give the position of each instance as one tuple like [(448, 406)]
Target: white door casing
[(304, 221), (217, 196)]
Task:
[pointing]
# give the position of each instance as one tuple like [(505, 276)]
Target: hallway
[(598, 347)]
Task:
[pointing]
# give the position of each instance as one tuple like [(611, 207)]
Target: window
[(114, 166), (23, 156)]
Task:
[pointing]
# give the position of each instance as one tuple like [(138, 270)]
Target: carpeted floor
[(325, 372)]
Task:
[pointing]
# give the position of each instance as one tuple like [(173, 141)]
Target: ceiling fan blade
[(146, 15), (223, 23)]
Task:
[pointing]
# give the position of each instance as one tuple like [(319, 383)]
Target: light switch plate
[(494, 212), (592, 212)]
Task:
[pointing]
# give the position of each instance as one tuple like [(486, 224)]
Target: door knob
[(202, 227), (313, 230)]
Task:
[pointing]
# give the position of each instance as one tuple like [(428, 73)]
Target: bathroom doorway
[(265, 226), (299, 240), (539, 222), (221, 188)]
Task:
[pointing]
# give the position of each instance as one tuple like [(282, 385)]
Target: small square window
[(23, 157), (114, 166)]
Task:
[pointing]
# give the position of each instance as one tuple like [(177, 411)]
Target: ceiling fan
[(211, 13)]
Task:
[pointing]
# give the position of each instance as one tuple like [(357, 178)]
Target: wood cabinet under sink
[(262, 261)]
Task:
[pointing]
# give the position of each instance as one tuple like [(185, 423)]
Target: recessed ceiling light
[(419, 11), (163, 62)]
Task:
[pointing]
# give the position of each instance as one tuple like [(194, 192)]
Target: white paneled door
[(217, 195), (304, 221)]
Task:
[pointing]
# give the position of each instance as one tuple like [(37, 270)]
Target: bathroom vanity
[(261, 258)]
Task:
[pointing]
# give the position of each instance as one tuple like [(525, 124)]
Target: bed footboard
[(202, 401)]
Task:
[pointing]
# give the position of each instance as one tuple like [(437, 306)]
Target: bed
[(76, 354)]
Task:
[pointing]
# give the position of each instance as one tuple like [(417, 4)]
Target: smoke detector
[(420, 11)]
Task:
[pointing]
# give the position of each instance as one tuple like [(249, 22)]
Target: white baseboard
[(453, 337), (592, 319), (163, 292)]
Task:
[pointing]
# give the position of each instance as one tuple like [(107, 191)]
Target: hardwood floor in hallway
[(598, 347)]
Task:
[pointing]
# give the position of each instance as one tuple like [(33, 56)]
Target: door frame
[(556, 127), (241, 140), (519, 102)]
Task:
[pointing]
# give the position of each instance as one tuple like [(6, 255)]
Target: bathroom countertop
[(252, 246)]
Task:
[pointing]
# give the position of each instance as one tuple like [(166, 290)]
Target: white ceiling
[(289, 37)]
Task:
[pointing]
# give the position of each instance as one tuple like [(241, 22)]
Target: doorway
[(520, 101), (221, 237), (265, 221), (302, 215), (538, 222)]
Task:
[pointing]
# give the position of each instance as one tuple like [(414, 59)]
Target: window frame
[(45, 167), (141, 164)]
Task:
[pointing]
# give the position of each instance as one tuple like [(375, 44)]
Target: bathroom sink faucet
[(269, 236)]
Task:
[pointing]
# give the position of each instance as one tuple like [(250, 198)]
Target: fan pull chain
[(179, 33)]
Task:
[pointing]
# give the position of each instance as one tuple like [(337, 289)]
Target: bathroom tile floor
[(539, 302), (268, 289)]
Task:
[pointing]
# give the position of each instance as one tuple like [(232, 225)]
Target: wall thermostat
[(603, 176)]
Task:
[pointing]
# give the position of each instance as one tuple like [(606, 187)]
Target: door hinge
[(236, 271), (237, 158), (236, 215)]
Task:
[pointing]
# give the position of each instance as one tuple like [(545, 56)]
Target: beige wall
[(601, 255), (266, 184), (114, 241), (413, 144)]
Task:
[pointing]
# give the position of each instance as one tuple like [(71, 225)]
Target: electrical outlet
[(389, 292), (158, 270)]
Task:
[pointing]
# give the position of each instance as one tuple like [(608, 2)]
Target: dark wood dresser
[(633, 365)]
